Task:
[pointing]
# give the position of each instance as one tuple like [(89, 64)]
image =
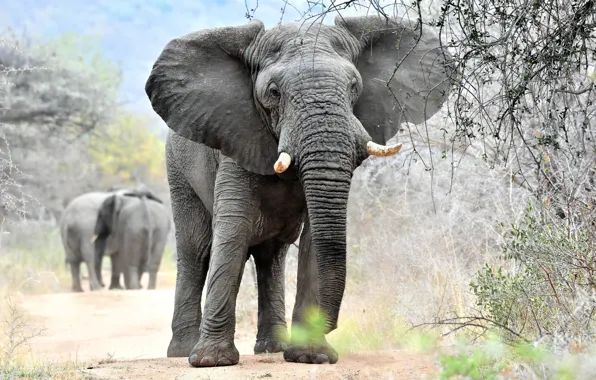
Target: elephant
[(266, 128), (132, 228), (77, 226)]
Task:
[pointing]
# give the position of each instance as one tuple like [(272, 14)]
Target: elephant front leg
[(116, 271), (234, 214), (311, 347), (270, 264), (228, 257), (98, 263)]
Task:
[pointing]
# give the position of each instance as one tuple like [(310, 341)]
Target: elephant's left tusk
[(94, 238), (378, 150), (282, 163)]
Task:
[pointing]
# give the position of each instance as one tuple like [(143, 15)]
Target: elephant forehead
[(294, 39)]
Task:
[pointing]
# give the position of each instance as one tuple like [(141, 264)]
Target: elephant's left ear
[(420, 84)]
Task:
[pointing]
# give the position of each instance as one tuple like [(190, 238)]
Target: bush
[(545, 289)]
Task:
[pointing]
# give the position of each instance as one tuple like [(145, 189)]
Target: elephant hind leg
[(75, 271), (155, 260), (270, 265)]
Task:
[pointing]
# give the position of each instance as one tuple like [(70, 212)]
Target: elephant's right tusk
[(94, 238), (378, 150), (282, 163)]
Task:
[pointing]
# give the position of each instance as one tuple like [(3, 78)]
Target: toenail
[(321, 359), (207, 361), (193, 360), (303, 359)]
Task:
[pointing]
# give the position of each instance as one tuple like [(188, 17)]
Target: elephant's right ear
[(201, 87)]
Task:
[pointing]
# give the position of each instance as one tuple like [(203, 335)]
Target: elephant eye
[(274, 91), (354, 85)]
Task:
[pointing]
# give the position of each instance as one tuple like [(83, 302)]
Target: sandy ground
[(129, 331)]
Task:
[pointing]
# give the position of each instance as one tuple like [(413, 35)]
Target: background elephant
[(77, 226), (269, 128), (132, 228)]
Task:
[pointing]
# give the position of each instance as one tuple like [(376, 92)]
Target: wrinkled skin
[(77, 226), (132, 228), (235, 98)]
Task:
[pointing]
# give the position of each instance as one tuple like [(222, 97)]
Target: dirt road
[(131, 331)]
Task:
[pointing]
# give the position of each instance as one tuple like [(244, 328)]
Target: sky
[(134, 32)]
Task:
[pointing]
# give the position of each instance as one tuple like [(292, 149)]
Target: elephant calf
[(132, 228)]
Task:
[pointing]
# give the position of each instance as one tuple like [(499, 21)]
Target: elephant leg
[(155, 261), (93, 283), (91, 268), (116, 271), (98, 272), (192, 223), (75, 271), (131, 277), (140, 277), (152, 279), (272, 331), (317, 350), (234, 215)]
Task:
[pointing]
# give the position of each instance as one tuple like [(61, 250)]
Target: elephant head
[(313, 98)]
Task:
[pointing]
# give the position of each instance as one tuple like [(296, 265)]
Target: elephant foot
[(181, 347), (116, 286), (214, 354), (95, 288), (274, 342), (77, 289), (314, 353)]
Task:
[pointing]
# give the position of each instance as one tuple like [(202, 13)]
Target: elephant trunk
[(326, 178)]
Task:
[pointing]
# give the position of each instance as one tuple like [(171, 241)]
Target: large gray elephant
[(267, 128), (132, 228)]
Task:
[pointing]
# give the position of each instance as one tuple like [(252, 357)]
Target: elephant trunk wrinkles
[(326, 178)]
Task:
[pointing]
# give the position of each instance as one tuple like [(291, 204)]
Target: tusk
[(282, 163), (94, 238), (378, 150)]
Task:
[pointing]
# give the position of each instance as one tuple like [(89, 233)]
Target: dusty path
[(389, 365), (132, 328)]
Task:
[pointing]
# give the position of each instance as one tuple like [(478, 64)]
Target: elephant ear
[(201, 87), (107, 216), (420, 85)]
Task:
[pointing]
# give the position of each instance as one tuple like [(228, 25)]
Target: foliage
[(127, 150), (549, 290), (55, 92), (62, 98), (492, 359), (35, 261)]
